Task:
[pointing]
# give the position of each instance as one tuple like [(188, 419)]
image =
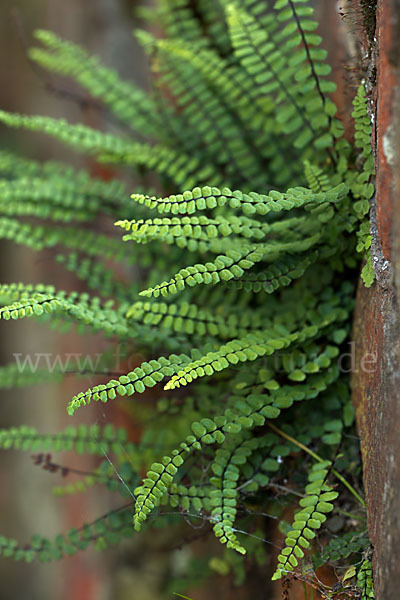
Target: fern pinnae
[(42, 211), (205, 431), (12, 376), (229, 265), (342, 546), (234, 94), (198, 99), (316, 178), (180, 22), (212, 18), (111, 148), (193, 498), (191, 319), (174, 128), (278, 274), (207, 197), (224, 266), (248, 348), (306, 47), (205, 228), (193, 101), (97, 275), (58, 185), (247, 414), (315, 506), (136, 381), (79, 136), (80, 309), (248, 30), (39, 236), (81, 439), (133, 106), (365, 580), (107, 529), (59, 196), (224, 496)]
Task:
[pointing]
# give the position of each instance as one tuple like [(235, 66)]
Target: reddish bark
[(376, 389)]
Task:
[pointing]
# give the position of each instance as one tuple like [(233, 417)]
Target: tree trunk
[(376, 379)]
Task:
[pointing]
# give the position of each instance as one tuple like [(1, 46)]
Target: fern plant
[(240, 265)]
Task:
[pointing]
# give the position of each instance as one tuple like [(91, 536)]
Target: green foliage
[(314, 507), (305, 113), (81, 439), (200, 199), (108, 530), (31, 301), (147, 375), (342, 547), (362, 184), (364, 580), (127, 102), (251, 237), (11, 376)]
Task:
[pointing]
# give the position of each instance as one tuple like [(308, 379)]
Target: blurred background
[(138, 568), (103, 27)]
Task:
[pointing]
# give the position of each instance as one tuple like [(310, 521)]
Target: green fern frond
[(207, 198), (365, 580), (316, 178), (279, 274), (102, 532), (84, 139), (81, 439), (191, 319), (212, 19), (224, 496), (181, 169), (129, 103), (13, 375), (97, 276), (314, 507), (77, 307), (147, 375), (77, 194), (247, 414), (342, 547), (361, 183), (179, 22), (192, 498), (103, 475), (249, 348), (41, 236), (302, 114), (226, 267)]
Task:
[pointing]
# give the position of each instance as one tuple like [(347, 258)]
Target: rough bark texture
[(377, 377)]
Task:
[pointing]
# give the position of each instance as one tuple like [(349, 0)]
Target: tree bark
[(376, 380)]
